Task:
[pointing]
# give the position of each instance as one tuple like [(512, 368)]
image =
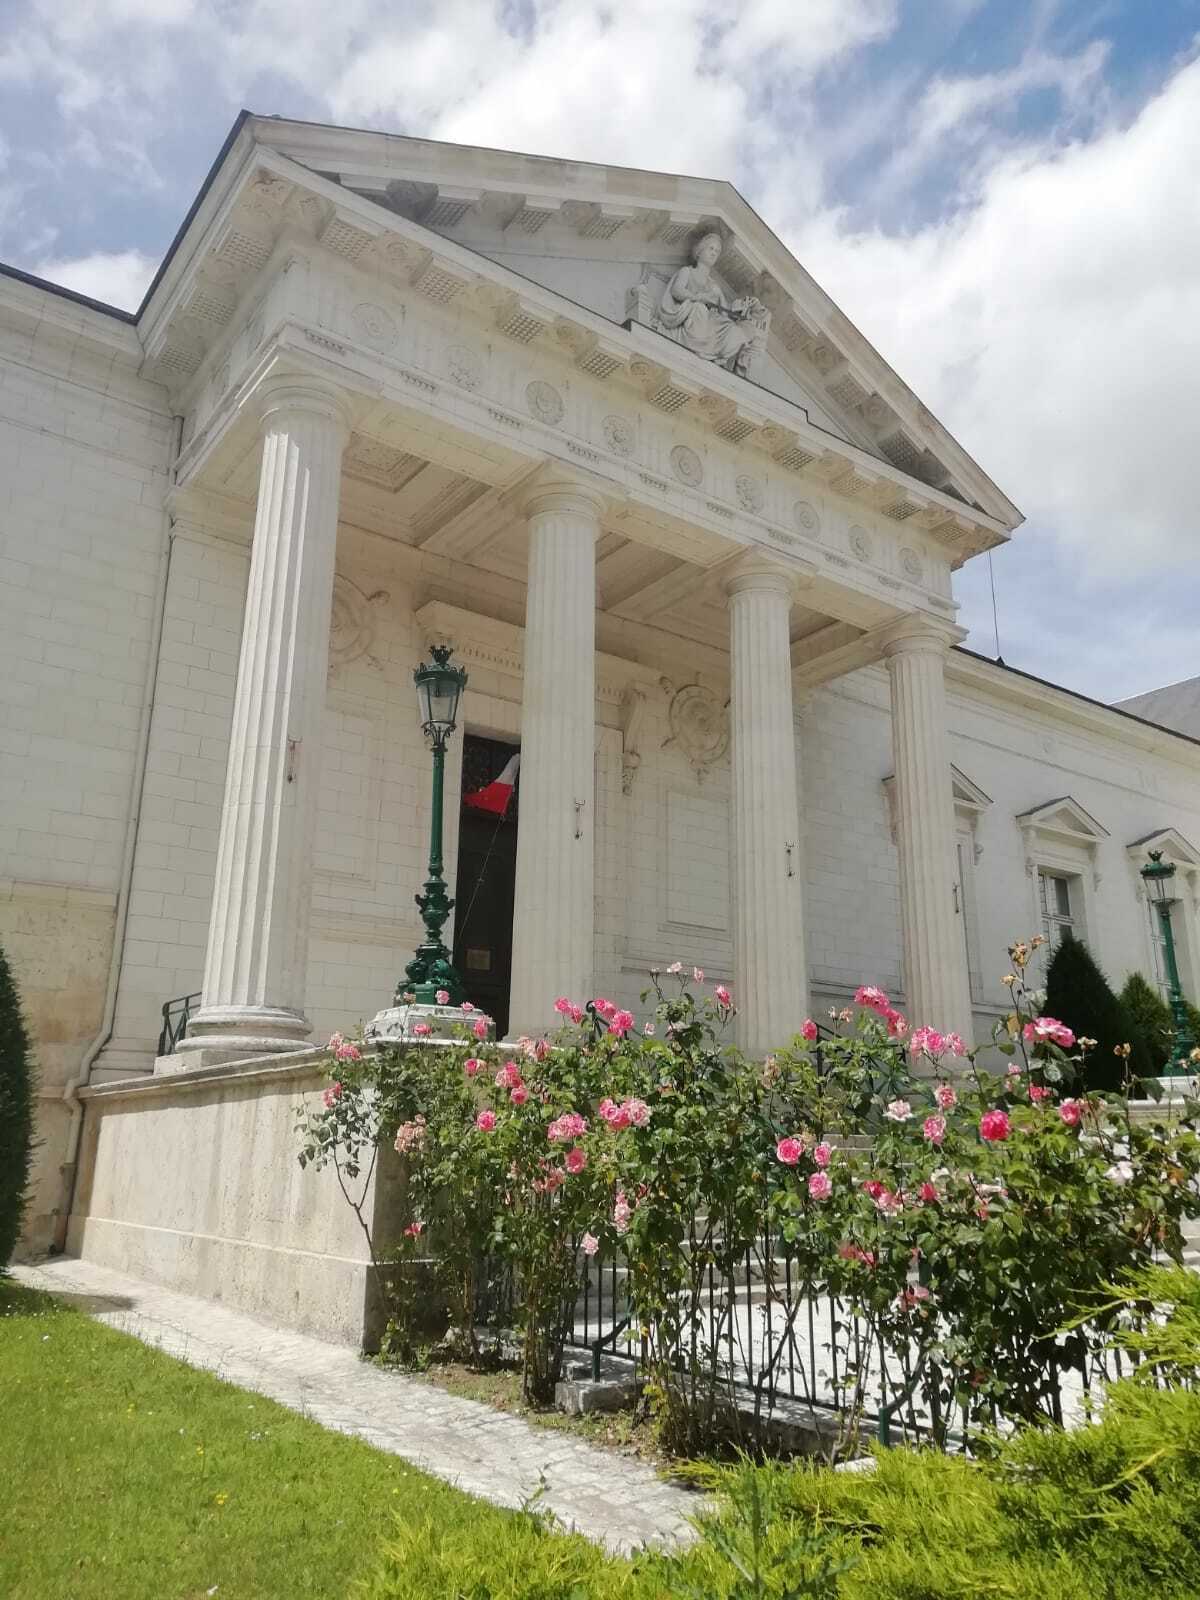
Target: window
[(1061, 895)]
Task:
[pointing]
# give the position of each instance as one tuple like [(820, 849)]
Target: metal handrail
[(176, 1015)]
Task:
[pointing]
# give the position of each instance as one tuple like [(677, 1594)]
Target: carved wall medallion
[(687, 466), (806, 517), (860, 543), (374, 326), (464, 366), (352, 627), (912, 563), (618, 435), (545, 403), (699, 725), (749, 494)]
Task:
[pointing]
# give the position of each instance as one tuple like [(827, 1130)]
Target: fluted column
[(935, 961), (770, 974), (253, 997), (554, 901)]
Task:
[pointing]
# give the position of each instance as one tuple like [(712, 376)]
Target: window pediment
[(1171, 843), (1065, 821)]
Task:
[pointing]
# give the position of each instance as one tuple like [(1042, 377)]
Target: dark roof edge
[(32, 279), (239, 123), (1074, 694)]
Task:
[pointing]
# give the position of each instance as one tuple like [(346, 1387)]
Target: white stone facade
[(717, 614)]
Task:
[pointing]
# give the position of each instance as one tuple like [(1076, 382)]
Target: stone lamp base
[(447, 1025)]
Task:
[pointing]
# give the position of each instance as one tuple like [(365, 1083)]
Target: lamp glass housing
[(1160, 878), (439, 690)]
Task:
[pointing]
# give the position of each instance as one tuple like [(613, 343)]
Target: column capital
[(559, 489), (919, 634), (302, 393), (764, 574)]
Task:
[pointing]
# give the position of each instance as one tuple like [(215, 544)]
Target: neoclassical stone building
[(692, 539)]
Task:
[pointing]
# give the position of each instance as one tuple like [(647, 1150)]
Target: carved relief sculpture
[(697, 314), (699, 725)]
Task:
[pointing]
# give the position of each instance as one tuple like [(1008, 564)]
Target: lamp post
[(1159, 876), (439, 689)]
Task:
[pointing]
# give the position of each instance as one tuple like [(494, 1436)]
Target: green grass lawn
[(126, 1474)]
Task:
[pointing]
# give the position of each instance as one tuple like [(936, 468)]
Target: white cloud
[(118, 278), (1055, 324)]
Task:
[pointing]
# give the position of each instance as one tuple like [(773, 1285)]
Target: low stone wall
[(191, 1181)]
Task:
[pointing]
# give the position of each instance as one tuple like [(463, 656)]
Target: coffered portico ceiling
[(486, 312)]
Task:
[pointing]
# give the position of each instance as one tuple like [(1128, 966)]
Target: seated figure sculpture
[(696, 314)]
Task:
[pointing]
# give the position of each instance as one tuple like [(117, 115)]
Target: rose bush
[(985, 1215)]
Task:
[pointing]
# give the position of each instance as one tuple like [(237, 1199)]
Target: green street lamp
[(439, 689), (1160, 879)]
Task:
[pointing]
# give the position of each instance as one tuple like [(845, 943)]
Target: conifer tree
[(16, 1113), (1078, 994), (1152, 1015)]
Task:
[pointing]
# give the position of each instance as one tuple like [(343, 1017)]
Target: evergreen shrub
[(16, 1113), (1078, 993), (1152, 1015)]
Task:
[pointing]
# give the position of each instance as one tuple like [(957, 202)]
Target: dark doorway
[(487, 864)]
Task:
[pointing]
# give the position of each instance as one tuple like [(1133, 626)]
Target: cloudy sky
[(1002, 194)]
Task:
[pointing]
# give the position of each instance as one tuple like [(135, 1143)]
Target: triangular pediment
[(1065, 818), (1172, 844), (594, 234)]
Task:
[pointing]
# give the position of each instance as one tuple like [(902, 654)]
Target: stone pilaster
[(555, 888), (935, 961), (253, 995), (770, 973)]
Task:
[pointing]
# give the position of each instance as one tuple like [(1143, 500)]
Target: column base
[(233, 1033)]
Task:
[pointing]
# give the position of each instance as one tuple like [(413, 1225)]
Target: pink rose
[(934, 1129), (466, 1006), (519, 1094), (697, 974), (622, 1212), (605, 1008), (1048, 1028), (421, 1029), (724, 998), (994, 1126), (1037, 1093), (410, 1136), (636, 1112), (648, 1029), (871, 997), (575, 1159), (414, 1230), (789, 1150), (442, 996), (335, 1039), (823, 1154), (480, 1028), (675, 968), (820, 1185), (485, 1121), (471, 1066), (809, 1030), (928, 1192), (955, 1045), (563, 1006), (928, 1042), (566, 1127), (897, 1111), (620, 1023), (332, 1095), (348, 1052), (589, 1244), (1071, 1112), (897, 1025), (945, 1096)]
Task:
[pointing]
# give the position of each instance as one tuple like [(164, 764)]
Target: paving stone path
[(617, 1501)]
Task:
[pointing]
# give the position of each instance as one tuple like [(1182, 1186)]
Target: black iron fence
[(175, 1017), (779, 1347)]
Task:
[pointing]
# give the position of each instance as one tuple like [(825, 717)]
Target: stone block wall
[(85, 446)]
